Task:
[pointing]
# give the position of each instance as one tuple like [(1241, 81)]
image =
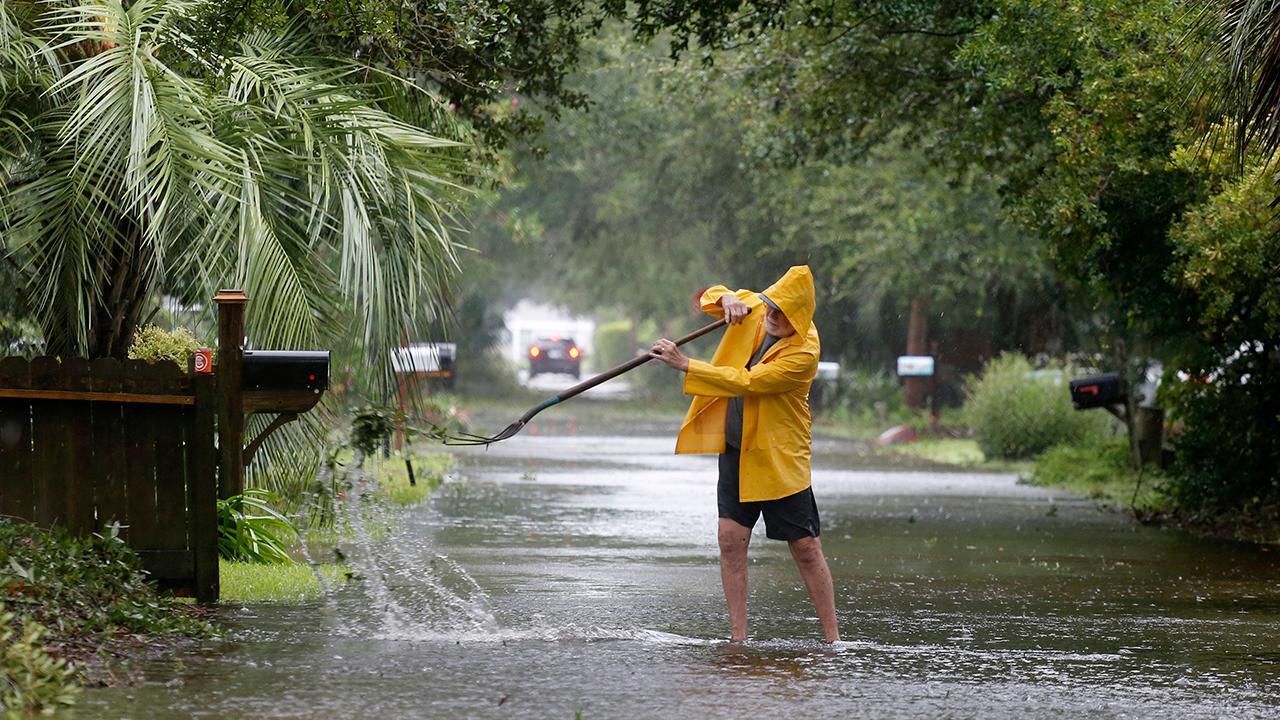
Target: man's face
[(777, 324)]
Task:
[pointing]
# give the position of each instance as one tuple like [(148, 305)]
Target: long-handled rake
[(515, 427)]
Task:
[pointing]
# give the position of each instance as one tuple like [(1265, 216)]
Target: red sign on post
[(204, 361)]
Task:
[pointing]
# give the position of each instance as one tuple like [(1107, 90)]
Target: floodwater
[(558, 576)]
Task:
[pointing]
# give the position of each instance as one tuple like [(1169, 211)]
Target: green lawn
[(956, 452), (1100, 469), (292, 583), (393, 475)]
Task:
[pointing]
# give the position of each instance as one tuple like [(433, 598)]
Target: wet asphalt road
[(562, 576)]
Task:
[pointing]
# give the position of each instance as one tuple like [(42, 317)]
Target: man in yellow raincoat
[(751, 406)]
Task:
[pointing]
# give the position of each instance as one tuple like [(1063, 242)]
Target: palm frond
[(1246, 42)]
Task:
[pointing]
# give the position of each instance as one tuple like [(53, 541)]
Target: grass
[(865, 423), (944, 451), (956, 452), (279, 583), (393, 476), (491, 414), (1099, 469)]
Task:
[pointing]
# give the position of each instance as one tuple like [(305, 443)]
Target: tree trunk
[(917, 389), (127, 289)]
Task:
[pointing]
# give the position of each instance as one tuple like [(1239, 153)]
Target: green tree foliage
[(1103, 149), (478, 56), (891, 227), (1227, 391), (1140, 214), (654, 193), (634, 200), (503, 65), (1102, 87), (830, 79), (1243, 69)]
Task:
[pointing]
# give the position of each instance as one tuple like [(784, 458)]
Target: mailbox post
[(230, 395), (284, 382)]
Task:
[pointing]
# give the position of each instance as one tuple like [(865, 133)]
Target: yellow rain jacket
[(775, 415)]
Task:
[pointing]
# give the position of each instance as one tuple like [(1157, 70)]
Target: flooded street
[(563, 576)]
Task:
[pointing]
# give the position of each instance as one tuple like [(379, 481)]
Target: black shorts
[(788, 518)]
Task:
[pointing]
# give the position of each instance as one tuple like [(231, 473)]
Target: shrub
[(1228, 456), (34, 680), (155, 344), (860, 392), (1098, 467), (1017, 414), (71, 597), (83, 584), (250, 530)]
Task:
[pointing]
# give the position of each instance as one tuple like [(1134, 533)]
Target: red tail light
[(534, 351), (574, 353)]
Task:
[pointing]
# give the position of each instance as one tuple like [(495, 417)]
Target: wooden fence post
[(230, 395)]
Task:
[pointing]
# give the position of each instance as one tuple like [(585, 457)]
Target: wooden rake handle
[(608, 375), (632, 364), (515, 427)]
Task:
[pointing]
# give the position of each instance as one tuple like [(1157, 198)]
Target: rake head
[(471, 439)]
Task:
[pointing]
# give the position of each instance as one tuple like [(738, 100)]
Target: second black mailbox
[(1097, 391)]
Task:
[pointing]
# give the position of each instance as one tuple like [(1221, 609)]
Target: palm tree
[(134, 163), (1247, 39)]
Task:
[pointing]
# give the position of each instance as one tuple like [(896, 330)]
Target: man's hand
[(667, 352), (735, 311)]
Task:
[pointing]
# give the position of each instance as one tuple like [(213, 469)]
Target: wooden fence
[(87, 444)]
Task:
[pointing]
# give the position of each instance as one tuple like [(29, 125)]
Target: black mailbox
[(288, 370), (285, 382), (1097, 391)]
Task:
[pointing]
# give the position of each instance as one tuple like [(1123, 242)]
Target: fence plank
[(140, 459), (16, 372), (171, 480), (16, 494), (109, 463), (77, 443), (48, 422), (202, 481), (168, 565), (160, 378)]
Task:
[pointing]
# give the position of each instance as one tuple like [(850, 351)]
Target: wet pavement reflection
[(554, 575)]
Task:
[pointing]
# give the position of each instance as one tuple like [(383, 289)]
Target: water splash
[(400, 589)]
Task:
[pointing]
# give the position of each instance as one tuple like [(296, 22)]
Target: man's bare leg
[(817, 578), (733, 574)]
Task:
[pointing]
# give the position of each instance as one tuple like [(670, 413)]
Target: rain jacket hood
[(776, 447), (794, 295)]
